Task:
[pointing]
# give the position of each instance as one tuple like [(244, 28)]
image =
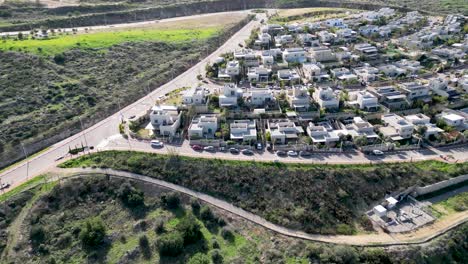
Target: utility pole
[(27, 160)]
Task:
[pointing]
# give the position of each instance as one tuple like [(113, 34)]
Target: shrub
[(189, 229), (216, 256), (93, 232), (227, 233), (195, 206), (171, 200), (37, 234), (170, 244), (145, 246), (159, 226), (206, 214), (199, 258), (214, 243), (130, 196)]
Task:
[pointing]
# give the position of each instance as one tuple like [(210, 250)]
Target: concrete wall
[(418, 191)]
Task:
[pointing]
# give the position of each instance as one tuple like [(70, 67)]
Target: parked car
[(209, 148), (156, 144), (197, 147), (222, 149), (259, 146), (234, 151), (292, 153), (377, 152), (4, 186), (303, 153), (280, 153), (247, 152), (132, 117)]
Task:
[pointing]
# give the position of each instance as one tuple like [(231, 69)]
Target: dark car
[(197, 147), (234, 151), (281, 153), (247, 152), (305, 154)]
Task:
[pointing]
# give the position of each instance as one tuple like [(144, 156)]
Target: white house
[(283, 39), (421, 120), (268, 60), (203, 126), (299, 97), (452, 119), (260, 96), (335, 22), (361, 128), (366, 73), (366, 50), (346, 34), (364, 100), (311, 70), (258, 74), (396, 127), (164, 119), (288, 75), (322, 54), (195, 96), (326, 98), (245, 130), (264, 38), (282, 130), (415, 91), (229, 96), (368, 30), (232, 69), (294, 55), (322, 133)]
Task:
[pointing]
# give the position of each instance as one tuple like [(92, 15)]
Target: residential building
[(195, 96), (391, 70), (335, 22), (294, 55), (164, 120), (326, 98), (439, 86), (366, 50), (283, 40), (368, 30), (346, 34), (299, 98), (288, 75), (361, 128), (366, 74), (337, 72), (411, 66), (245, 130), (396, 127), (311, 70), (268, 60), (258, 74), (283, 130), (453, 119), (272, 29), (259, 97), (416, 91), (364, 100), (203, 126), (230, 94), (421, 120), (322, 133), (326, 37), (390, 97), (232, 69), (308, 39), (322, 54), (264, 38)]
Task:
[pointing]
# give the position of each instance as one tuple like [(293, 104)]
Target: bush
[(195, 206), (227, 234), (216, 256), (171, 201), (215, 244), (159, 226), (93, 233), (189, 229), (130, 196), (170, 244), (145, 246), (206, 214), (199, 258), (37, 234)]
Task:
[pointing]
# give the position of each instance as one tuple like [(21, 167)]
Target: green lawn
[(60, 43), (455, 204)]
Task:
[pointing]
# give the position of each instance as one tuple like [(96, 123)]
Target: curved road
[(371, 240)]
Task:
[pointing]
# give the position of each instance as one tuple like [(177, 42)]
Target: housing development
[(209, 132)]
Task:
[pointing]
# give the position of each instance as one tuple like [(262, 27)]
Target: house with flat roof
[(258, 74), (260, 96), (326, 98), (195, 96), (390, 97), (203, 126), (283, 130), (164, 119), (392, 71), (366, 73), (454, 119), (288, 75), (232, 69), (361, 128), (243, 130), (299, 98), (421, 120), (366, 50), (322, 133), (396, 127), (294, 55), (364, 100), (230, 94), (322, 54), (416, 91)]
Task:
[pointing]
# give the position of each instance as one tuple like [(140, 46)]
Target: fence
[(419, 191)]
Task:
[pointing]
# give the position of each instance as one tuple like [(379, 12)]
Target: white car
[(209, 148), (4, 186), (156, 144), (292, 153), (377, 152)]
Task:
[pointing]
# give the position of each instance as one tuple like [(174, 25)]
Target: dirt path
[(421, 236)]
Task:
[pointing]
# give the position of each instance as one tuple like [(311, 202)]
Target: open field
[(309, 10), (310, 14), (313, 198)]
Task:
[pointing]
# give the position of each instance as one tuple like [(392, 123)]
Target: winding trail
[(422, 236)]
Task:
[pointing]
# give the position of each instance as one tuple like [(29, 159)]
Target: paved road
[(358, 240), (109, 127), (458, 153)]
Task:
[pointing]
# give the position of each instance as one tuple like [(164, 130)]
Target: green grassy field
[(60, 43)]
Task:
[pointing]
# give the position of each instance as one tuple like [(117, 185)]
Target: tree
[(93, 233), (360, 141), (199, 258), (216, 256), (37, 234), (130, 196), (206, 214), (171, 200), (145, 246), (170, 244), (189, 229)]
